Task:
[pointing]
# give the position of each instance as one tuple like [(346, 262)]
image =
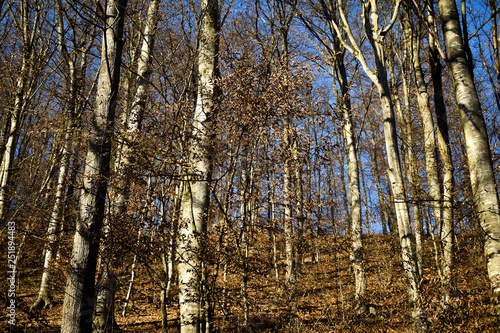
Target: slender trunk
[(412, 44), (448, 183), (272, 218), (379, 78), (243, 243), (11, 143), (79, 298), (299, 210), (290, 275), (132, 275), (345, 196), (400, 201), (356, 225), (44, 299), (29, 30), (409, 160)]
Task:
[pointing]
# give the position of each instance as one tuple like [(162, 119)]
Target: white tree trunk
[(195, 199), (482, 177)]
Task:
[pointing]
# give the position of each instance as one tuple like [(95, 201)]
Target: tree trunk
[(195, 199), (104, 317), (44, 299), (482, 178), (290, 273), (79, 299), (354, 188), (29, 31), (375, 34), (409, 160), (448, 184), (412, 44)]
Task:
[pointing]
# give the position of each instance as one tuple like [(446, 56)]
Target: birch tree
[(195, 198), (80, 288)]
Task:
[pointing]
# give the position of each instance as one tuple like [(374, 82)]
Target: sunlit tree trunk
[(412, 44), (482, 177), (355, 224), (79, 298), (375, 34), (195, 199), (357, 255), (73, 107), (104, 314), (31, 57), (409, 159), (446, 228)]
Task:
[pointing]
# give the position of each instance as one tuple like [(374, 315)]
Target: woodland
[(249, 166)]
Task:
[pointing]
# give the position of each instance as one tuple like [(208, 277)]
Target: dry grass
[(324, 294)]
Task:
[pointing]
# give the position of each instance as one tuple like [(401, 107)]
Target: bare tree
[(482, 177), (30, 19), (378, 75), (196, 182), (104, 314), (79, 299), (74, 83)]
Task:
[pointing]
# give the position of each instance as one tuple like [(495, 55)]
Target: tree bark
[(482, 178), (446, 231), (104, 317), (195, 200), (79, 299)]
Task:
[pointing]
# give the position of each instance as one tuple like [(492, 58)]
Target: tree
[(197, 177), (482, 177), (34, 51), (74, 82), (104, 314), (80, 287), (378, 75), (336, 56)]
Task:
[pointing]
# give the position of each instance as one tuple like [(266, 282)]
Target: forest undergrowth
[(324, 293)]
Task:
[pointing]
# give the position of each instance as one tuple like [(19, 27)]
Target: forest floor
[(323, 301)]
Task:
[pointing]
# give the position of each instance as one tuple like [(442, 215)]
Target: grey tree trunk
[(354, 187), (412, 44), (357, 253), (482, 178), (446, 233), (104, 316), (409, 160), (195, 199), (44, 299), (290, 270), (80, 288)]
